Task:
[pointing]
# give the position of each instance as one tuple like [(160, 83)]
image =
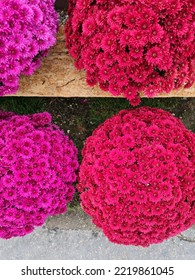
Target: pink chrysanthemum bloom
[(27, 31), (150, 43), (139, 177), (38, 166)]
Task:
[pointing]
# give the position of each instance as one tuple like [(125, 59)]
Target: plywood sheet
[(57, 77)]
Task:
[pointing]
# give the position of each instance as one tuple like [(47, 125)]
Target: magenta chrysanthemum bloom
[(151, 43), (27, 30), (38, 166), (137, 177)]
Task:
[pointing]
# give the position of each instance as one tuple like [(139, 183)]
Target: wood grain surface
[(57, 77)]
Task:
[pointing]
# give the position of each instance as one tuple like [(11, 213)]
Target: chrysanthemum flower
[(156, 38), (139, 189), (27, 31), (37, 171)]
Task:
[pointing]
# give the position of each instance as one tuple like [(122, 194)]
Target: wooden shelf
[(57, 77)]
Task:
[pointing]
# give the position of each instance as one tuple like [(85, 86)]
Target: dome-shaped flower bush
[(133, 46), (137, 177), (27, 30), (38, 166)]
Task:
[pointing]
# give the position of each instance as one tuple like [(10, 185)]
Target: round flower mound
[(137, 177), (38, 165), (27, 30), (133, 46)]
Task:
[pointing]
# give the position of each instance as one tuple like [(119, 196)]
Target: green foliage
[(102, 108), (22, 105), (162, 103)]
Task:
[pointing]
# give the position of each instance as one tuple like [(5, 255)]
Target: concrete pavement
[(72, 236)]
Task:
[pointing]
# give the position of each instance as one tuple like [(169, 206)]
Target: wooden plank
[(57, 77)]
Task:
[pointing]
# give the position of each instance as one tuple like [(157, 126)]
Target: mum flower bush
[(133, 46), (137, 177), (38, 166), (27, 30)]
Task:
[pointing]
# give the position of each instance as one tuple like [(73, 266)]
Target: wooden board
[(57, 77)]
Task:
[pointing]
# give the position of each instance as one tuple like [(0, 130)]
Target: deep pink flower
[(135, 180), (28, 29), (37, 171), (150, 43)]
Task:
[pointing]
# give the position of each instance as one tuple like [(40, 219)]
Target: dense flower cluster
[(133, 46), (137, 177), (27, 30), (38, 166)]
